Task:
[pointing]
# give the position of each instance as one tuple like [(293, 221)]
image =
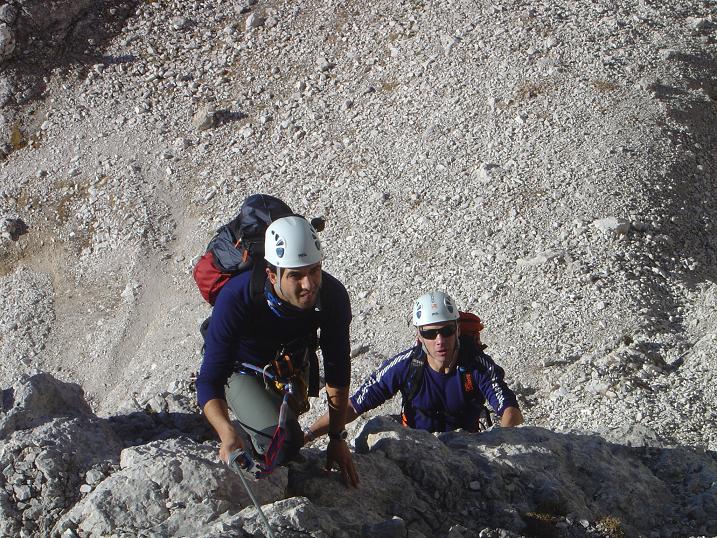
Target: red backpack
[(471, 325)]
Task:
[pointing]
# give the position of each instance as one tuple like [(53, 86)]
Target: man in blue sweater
[(246, 334), (445, 379)]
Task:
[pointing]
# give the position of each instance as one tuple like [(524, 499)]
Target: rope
[(253, 499)]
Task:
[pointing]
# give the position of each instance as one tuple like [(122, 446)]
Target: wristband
[(309, 435), (338, 436)]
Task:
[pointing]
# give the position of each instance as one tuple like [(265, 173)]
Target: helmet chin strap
[(278, 282)]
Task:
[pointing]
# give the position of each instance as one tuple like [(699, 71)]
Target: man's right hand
[(217, 414), (231, 442)]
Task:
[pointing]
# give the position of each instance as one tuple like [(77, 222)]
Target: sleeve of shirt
[(383, 384), (334, 340), (224, 329), (489, 377)]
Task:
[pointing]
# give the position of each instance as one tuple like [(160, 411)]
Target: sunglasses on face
[(432, 334)]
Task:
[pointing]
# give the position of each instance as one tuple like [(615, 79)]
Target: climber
[(248, 341), (445, 379)]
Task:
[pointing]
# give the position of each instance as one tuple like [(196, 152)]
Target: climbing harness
[(284, 376)]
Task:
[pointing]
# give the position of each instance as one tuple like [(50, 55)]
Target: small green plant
[(17, 139), (530, 90), (389, 86)]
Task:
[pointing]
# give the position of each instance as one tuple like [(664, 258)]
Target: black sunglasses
[(445, 331)]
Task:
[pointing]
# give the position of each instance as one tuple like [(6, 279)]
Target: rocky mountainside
[(551, 165), (68, 475)]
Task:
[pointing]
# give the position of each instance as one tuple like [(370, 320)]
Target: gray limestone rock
[(254, 21), (574, 101), (287, 516), (50, 439), (612, 225), (168, 487), (33, 400), (179, 23), (204, 118), (7, 42), (390, 528), (539, 259), (8, 13), (412, 482)]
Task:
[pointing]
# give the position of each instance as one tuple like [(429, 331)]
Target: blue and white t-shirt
[(440, 403)]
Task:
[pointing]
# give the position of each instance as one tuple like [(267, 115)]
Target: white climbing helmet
[(292, 242), (434, 307)]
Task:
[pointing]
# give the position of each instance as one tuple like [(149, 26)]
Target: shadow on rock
[(72, 32), (141, 427), (165, 416), (685, 237), (49, 441), (225, 116)]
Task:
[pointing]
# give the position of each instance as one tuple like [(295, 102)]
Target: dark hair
[(271, 267)]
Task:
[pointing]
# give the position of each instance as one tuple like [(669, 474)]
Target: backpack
[(238, 246), (470, 326)]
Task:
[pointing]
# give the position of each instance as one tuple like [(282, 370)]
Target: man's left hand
[(511, 417), (338, 453)]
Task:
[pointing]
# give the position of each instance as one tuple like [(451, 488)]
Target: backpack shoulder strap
[(414, 376), (467, 364), (256, 285), (469, 388)]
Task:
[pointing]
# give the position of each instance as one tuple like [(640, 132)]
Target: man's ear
[(272, 277)]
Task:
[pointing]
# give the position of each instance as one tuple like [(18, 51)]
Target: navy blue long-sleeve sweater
[(244, 331)]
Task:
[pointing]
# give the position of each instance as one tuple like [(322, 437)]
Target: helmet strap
[(278, 282)]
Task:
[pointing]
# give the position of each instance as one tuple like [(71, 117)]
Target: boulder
[(173, 487)]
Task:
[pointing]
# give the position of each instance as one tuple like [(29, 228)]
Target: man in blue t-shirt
[(246, 334), (445, 379)]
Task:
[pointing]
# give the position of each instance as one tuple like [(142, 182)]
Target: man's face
[(440, 341), (299, 286)]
